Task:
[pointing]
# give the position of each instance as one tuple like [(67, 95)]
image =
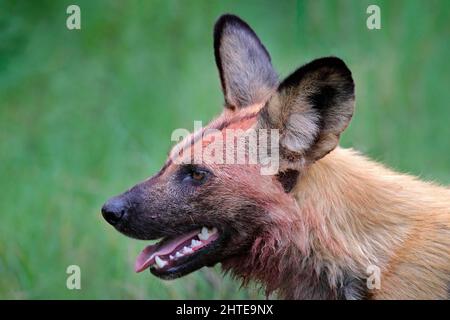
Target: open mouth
[(173, 257)]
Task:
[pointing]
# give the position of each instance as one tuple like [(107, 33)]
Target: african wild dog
[(312, 229)]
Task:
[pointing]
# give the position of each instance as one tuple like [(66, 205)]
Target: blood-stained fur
[(313, 229)]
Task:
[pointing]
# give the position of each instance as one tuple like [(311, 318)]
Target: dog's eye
[(195, 175), (198, 175)]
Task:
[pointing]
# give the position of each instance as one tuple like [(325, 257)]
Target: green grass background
[(86, 114)]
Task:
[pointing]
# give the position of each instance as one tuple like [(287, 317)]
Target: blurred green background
[(86, 114)]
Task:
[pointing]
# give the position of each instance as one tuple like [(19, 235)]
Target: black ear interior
[(244, 64)]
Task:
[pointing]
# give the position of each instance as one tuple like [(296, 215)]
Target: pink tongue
[(147, 256)]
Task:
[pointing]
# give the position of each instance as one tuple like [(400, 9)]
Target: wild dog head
[(207, 212)]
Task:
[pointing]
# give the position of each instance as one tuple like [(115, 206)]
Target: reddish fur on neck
[(349, 213)]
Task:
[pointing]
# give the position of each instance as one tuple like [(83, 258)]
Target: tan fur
[(369, 215)]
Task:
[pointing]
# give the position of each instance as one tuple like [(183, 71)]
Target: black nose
[(114, 209)]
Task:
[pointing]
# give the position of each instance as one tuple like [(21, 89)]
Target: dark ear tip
[(228, 18), (223, 21), (339, 65), (335, 63), (332, 61)]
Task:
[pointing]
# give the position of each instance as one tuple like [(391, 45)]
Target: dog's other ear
[(245, 70), (311, 108)]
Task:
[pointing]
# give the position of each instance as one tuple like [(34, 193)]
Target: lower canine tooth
[(160, 262)]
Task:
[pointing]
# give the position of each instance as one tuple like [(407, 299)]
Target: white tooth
[(171, 257), (195, 243), (187, 250), (160, 262), (178, 255), (203, 235)]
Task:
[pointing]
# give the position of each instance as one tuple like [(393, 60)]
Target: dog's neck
[(350, 214)]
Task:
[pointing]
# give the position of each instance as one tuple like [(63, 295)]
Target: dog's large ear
[(246, 73), (310, 108)]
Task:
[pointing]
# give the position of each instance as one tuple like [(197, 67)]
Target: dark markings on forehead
[(217, 126), (227, 123)]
